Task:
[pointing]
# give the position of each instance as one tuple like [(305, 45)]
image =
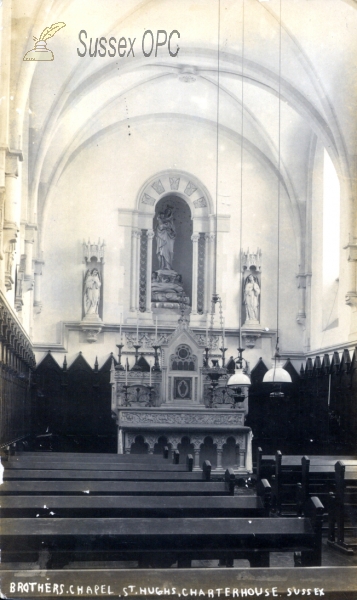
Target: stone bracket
[(250, 338), (351, 300), (92, 326)]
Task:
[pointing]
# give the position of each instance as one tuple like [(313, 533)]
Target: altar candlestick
[(126, 372), (120, 332), (150, 373), (155, 329), (223, 335), (137, 327), (207, 321)]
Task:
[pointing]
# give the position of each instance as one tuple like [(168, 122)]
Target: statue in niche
[(167, 287), (165, 237), (251, 297), (91, 296)]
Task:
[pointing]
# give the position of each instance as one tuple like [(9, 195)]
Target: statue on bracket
[(251, 297), (165, 237), (252, 264), (92, 285), (92, 302)]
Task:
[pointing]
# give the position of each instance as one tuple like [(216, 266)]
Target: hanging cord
[(279, 166), (217, 150), (241, 185)]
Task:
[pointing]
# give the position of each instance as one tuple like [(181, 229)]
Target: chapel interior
[(176, 217)]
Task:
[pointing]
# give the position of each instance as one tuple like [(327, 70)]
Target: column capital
[(352, 249), (219, 441), (150, 234), (195, 237), (174, 441), (12, 159), (197, 441), (210, 237), (303, 280), (150, 440)]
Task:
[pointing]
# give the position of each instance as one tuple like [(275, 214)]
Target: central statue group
[(166, 284)]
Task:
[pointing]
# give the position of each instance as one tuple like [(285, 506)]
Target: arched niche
[(182, 242), (184, 189)]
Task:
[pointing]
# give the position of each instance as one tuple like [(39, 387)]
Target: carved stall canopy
[(74, 404), (17, 362), (318, 414)]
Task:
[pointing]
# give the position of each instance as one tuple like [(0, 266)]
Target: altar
[(196, 424), (172, 402)]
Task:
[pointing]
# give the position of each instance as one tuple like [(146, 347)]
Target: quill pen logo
[(40, 51)]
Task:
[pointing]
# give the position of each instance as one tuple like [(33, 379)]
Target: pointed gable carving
[(289, 367), (48, 362), (80, 364), (108, 363), (258, 372)]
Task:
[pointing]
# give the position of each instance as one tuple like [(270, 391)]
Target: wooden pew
[(92, 455), (294, 482), (343, 510), (319, 480), (57, 460), (89, 456), (161, 542), (283, 484), (137, 506), (265, 463), (138, 466), (104, 475), (265, 466), (35, 463), (122, 488)]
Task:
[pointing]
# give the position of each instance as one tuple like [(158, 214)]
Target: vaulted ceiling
[(75, 101)]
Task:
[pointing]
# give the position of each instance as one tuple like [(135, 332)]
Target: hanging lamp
[(277, 375), (240, 379), (215, 372)]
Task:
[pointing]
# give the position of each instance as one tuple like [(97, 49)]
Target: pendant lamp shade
[(238, 379), (277, 375)]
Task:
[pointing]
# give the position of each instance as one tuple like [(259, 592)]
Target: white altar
[(196, 424), (176, 403)]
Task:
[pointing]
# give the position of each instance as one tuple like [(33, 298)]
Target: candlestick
[(156, 366), (119, 366), (150, 374), (206, 357), (223, 350), (126, 403), (126, 372), (223, 334), (137, 327), (150, 396), (120, 333), (155, 330), (207, 323), (136, 367)]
